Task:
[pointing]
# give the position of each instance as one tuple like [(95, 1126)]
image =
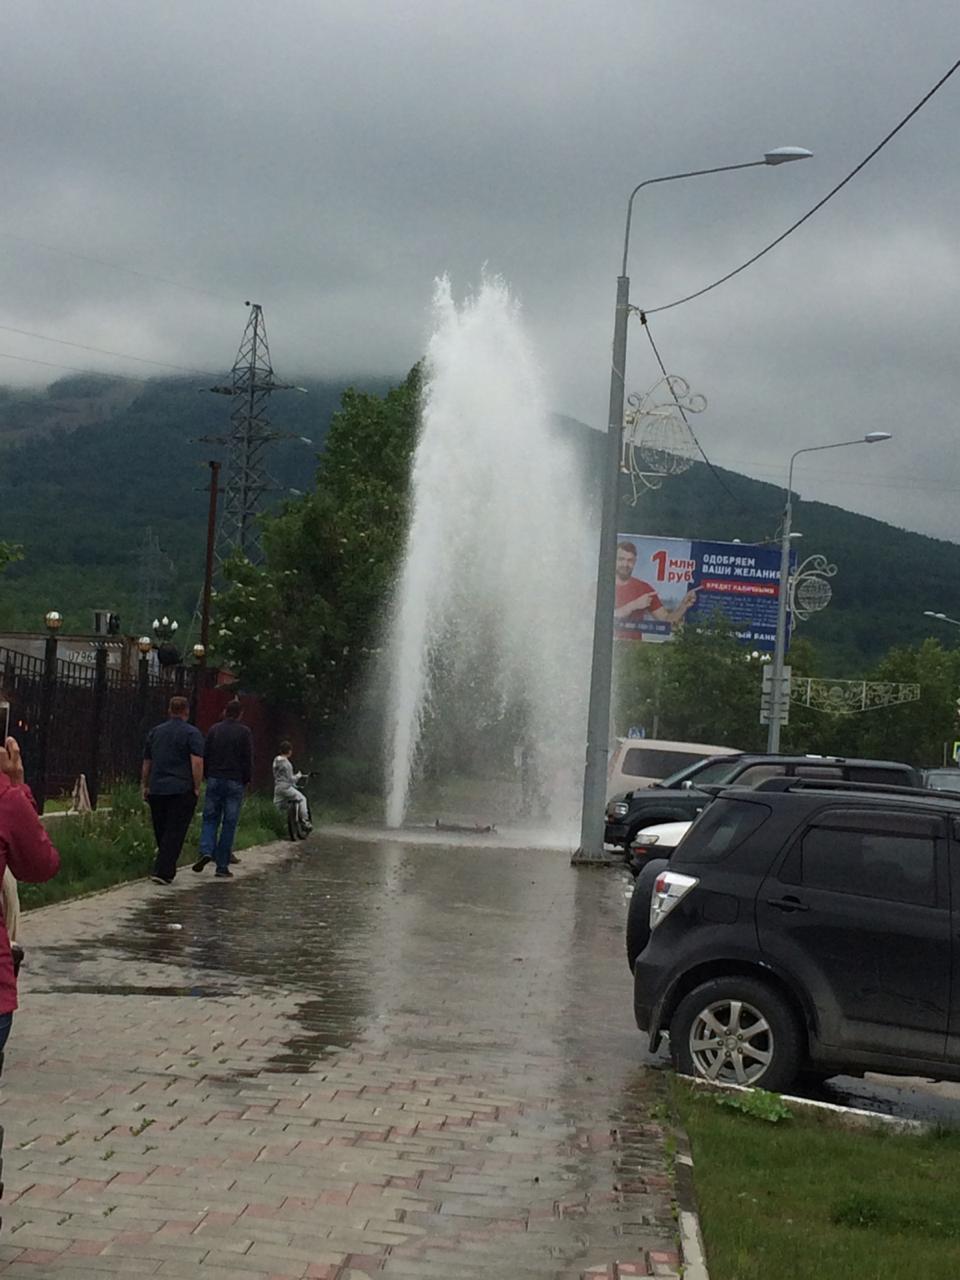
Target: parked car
[(947, 779), (640, 762), (805, 927), (679, 798), (658, 841)]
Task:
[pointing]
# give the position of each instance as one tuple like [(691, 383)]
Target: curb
[(692, 1251), (848, 1117)]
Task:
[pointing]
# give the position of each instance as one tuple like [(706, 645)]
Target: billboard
[(663, 582)]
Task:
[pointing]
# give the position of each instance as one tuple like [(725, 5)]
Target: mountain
[(96, 473), (92, 464), (886, 577)]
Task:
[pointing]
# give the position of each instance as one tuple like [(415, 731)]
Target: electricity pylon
[(251, 386)]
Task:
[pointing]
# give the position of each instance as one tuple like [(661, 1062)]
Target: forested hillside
[(81, 499), (88, 466), (886, 576)]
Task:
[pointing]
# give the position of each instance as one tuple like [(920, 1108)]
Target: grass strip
[(98, 850), (804, 1199)]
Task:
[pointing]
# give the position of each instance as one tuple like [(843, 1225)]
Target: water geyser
[(490, 631)]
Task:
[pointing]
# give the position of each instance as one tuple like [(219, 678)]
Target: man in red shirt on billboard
[(637, 601)]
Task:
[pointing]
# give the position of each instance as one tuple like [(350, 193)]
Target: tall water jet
[(490, 631)]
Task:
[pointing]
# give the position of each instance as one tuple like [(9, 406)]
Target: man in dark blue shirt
[(171, 778), (228, 768)]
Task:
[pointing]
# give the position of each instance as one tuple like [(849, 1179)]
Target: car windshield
[(710, 770), (944, 779)]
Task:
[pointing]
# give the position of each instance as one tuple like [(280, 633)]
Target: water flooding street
[(362, 1059)]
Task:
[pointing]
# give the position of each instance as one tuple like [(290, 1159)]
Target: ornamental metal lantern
[(657, 440)]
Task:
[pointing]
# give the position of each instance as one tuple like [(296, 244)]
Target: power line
[(115, 266), (53, 364), (103, 351), (767, 474), (819, 205), (693, 435)]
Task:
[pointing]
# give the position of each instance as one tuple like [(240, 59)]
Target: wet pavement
[(357, 1059)]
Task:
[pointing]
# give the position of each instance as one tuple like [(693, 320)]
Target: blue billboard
[(665, 582)]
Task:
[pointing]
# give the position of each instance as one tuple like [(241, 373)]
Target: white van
[(640, 762)]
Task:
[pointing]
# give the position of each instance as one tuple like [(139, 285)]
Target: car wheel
[(737, 1030), (638, 917)]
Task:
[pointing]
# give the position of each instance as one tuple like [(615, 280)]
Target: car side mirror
[(686, 785)]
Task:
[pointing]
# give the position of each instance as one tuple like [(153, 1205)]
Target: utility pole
[(252, 384), (211, 543)]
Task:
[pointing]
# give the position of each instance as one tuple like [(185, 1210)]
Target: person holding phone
[(26, 850)]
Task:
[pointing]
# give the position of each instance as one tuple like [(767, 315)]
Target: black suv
[(678, 797), (805, 928)]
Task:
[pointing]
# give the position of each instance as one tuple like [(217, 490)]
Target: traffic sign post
[(766, 695)]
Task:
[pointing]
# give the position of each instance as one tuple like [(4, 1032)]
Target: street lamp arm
[(598, 712), (674, 177), (819, 448)]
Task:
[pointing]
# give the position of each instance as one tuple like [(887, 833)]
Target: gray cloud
[(328, 160)]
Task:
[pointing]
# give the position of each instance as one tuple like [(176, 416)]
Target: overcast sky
[(329, 158)]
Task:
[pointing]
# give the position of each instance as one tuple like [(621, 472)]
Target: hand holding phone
[(11, 762)]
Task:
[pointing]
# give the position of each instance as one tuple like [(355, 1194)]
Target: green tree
[(302, 626), (9, 552), (700, 687), (915, 731)]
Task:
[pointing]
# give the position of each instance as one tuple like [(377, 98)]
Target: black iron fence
[(73, 717)]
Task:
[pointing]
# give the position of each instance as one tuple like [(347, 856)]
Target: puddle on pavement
[(395, 944), (92, 989)]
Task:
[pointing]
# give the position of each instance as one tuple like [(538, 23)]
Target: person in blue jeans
[(228, 768)]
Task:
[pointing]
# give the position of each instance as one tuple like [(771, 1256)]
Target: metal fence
[(72, 718)]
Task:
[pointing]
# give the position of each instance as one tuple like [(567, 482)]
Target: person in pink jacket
[(26, 849)]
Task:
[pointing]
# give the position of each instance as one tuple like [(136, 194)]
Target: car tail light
[(669, 888)]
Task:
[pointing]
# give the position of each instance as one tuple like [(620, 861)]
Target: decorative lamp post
[(199, 665), (168, 655), (601, 669), (777, 691), (145, 647), (53, 621)]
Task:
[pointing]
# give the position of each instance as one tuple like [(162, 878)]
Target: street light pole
[(783, 591), (941, 617), (601, 667)]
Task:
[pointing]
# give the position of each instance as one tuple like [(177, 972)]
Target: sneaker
[(161, 880), (234, 860), (202, 861), (224, 873)]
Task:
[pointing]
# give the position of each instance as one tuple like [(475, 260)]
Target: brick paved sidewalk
[(362, 1060)]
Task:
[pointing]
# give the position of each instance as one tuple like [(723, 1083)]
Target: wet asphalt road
[(454, 1022)]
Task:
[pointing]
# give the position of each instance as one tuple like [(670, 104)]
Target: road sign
[(766, 696)]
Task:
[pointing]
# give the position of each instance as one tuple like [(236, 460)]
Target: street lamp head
[(53, 620), (875, 437), (783, 155), (144, 644)]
